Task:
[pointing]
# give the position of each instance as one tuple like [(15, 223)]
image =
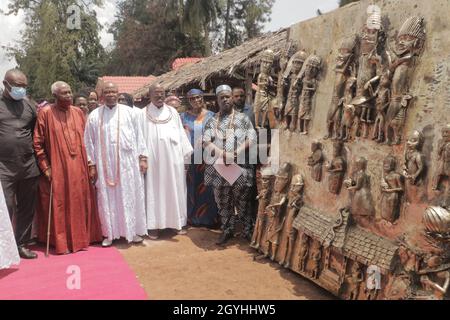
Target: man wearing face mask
[(61, 153), (18, 169)]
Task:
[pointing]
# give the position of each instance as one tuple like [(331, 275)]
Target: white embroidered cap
[(223, 88)]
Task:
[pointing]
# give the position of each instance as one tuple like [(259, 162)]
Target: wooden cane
[(49, 219)]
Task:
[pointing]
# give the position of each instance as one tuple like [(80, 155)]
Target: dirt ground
[(192, 267)]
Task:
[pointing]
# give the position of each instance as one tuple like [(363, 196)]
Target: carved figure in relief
[(435, 278), (409, 43), (336, 169), (354, 280), (343, 70), (391, 190), (414, 166), (443, 171), (295, 203), (315, 161), (263, 200), (349, 110), (359, 187), (382, 101), (290, 109), (316, 258), (283, 78), (304, 252), (307, 79), (264, 98), (275, 209), (372, 39)]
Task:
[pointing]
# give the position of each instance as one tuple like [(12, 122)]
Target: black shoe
[(224, 238), (25, 253)]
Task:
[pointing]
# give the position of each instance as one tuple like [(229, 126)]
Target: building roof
[(127, 84), (369, 248), (353, 241), (224, 63), (314, 223), (180, 62)]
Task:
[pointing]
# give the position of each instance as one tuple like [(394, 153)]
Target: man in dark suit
[(18, 167)]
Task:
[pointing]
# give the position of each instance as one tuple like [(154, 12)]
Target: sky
[(284, 14)]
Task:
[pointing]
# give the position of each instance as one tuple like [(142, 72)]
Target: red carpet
[(104, 275)]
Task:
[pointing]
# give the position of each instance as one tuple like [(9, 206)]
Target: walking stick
[(49, 219)]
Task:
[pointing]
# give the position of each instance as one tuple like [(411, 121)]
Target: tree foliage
[(244, 20), (150, 34), (49, 51)]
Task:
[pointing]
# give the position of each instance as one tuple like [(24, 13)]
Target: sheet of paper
[(230, 173)]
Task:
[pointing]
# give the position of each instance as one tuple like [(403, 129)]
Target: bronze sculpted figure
[(343, 70), (264, 100), (292, 105), (435, 279), (304, 252), (263, 200), (308, 79), (414, 160), (372, 40), (409, 42), (315, 161), (391, 190), (382, 101), (361, 207), (336, 169), (294, 205), (354, 280), (348, 111), (443, 171), (283, 87), (316, 257), (437, 222), (275, 209)]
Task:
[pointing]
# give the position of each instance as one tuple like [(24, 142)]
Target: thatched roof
[(226, 62)]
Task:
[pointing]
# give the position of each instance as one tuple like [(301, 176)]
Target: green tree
[(49, 51), (200, 17), (254, 15), (346, 2), (243, 20), (148, 37), (150, 34)]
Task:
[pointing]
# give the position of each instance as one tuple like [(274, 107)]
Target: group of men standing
[(120, 173)]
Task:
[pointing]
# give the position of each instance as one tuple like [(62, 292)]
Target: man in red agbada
[(60, 149)]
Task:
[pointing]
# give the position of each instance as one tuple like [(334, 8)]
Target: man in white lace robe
[(169, 148), (117, 158)]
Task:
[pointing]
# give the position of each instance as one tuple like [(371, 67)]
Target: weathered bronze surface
[(368, 212)]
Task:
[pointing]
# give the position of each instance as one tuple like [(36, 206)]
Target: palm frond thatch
[(226, 62)]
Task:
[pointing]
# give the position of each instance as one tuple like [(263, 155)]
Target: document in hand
[(230, 173)]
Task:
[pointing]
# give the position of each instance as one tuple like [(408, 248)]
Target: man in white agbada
[(168, 147), (9, 255), (117, 158)]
